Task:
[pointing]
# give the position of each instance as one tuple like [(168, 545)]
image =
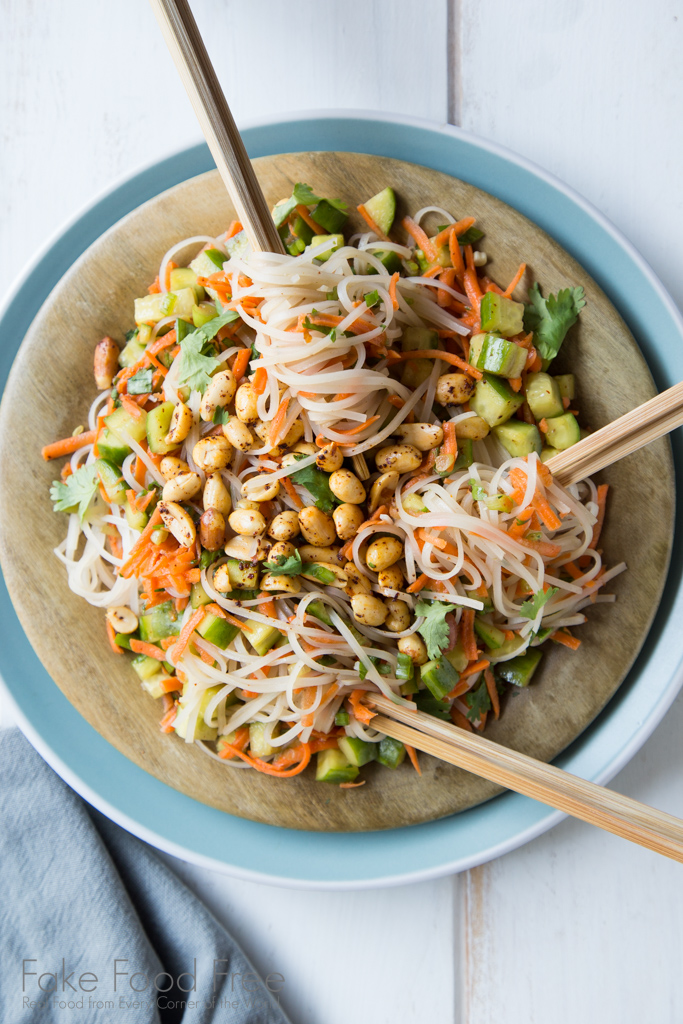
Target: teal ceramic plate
[(195, 832)]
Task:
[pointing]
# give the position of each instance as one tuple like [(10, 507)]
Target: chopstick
[(627, 434), (199, 78), (656, 830)]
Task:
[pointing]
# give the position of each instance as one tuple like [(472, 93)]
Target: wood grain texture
[(96, 297)]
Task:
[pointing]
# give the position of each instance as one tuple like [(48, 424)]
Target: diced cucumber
[(111, 447), (519, 671), (145, 667), (238, 245), (391, 261), (319, 610), (414, 338), (382, 209), (243, 575), (199, 596), (329, 217), (439, 676), (131, 352), (548, 452), (119, 419), (202, 731), (124, 639), (216, 256), (357, 751), (501, 314), (217, 631), (185, 277), (158, 623), (500, 503), (158, 423), (415, 371), (136, 519), (493, 400), (391, 752), (324, 240), (260, 636), (566, 382), (497, 355), (519, 438), (203, 313), (149, 309), (414, 504), (562, 431), (153, 686), (404, 667), (543, 395), (332, 766), (113, 483), (301, 229), (491, 635), (260, 747), (204, 266), (509, 647), (457, 658)]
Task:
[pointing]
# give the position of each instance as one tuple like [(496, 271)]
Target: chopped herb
[(285, 565), (221, 415), (216, 256), (302, 195), (317, 484), (129, 335), (382, 667), (141, 382), (551, 318), (208, 557), (372, 299), (332, 296), (478, 702), (195, 368), (479, 493), (405, 668), (168, 303), (76, 494), (470, 236), (434, 629), (531, 608), (342, 717)]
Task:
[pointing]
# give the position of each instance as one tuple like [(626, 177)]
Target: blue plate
[(195, 832)]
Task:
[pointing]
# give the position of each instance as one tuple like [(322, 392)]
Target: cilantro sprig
[(76, 493), (532, 607), (140, 383), (195, 368), (434, 629), (478, 702), (551, 318), (317, 484), (302, 195), (285, 565)]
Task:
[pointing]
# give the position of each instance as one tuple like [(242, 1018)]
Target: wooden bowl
[(51, 387)]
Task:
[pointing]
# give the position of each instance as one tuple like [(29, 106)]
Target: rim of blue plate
[(173, 822)]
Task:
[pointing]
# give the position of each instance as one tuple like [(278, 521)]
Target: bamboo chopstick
[(199, 78), (630, 432), (613, 812)]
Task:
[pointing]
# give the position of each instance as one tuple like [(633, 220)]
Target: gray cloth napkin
[(95, 919)]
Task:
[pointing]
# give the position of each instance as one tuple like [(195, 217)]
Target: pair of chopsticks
[(608, 810)]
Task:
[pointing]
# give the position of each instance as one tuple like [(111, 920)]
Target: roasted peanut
[(398, 618), (346, 486), (181, 424), (247, 523), (261, 488), (317, 527), (473, 428), (243, 548), (423, 436), (285, 525), (263, 549), (312, 553), (390, 578), (400, 457), (262, 429), (122, 619), (383, 552), (454, 388), (221, 579), (356, 582), (212, 453), (246, 403), (170, 467), (212, 530), (238, 434), (106, 363), (216, 495), (178, 522), (284, 584), (382, 490), (182, 487), (347, 520), (369, 610), (306, 448), (220, 391), (253, 506), (330, 458), (283, 549), (414, 647)]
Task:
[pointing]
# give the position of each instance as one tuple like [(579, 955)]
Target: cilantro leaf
[(317, 484), (478, 702), (221, 415), (77, 493), (532, 607), (551, 318), (140, 383), (470, 236), (434, 629), (303, 194), (195, 369), (479, 493), (285, 566), (330, 331), (428, 703)]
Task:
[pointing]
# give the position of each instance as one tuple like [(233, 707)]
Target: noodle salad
[(311, 477)]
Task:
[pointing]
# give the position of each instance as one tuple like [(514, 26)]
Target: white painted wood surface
[(577, 925)]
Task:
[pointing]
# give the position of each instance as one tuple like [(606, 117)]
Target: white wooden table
[(577, 926)]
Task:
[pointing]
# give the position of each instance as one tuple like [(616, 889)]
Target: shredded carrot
[(450, 441), (240, 742), (371, 223), (351, 785), (392, 290), (412, 754), (447, 357), (304, 752), (561, 636), (492, 691), (357, 429), (291, 492), (151, 650), (513, 284), (132, 407), (473, 669), (469, 641), (234, 229), (187, 631), (544, 548), (460, 720), (456, 256), (260, 380), (419, 583), (394, 400), (68, 445), (421, 239), (111, 635), (515, 383), (266, 605), (323, 743), (360, 712), (239, 367), (602, 505), (140, 471), (166, 723), (278, 422), (444, 237)]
